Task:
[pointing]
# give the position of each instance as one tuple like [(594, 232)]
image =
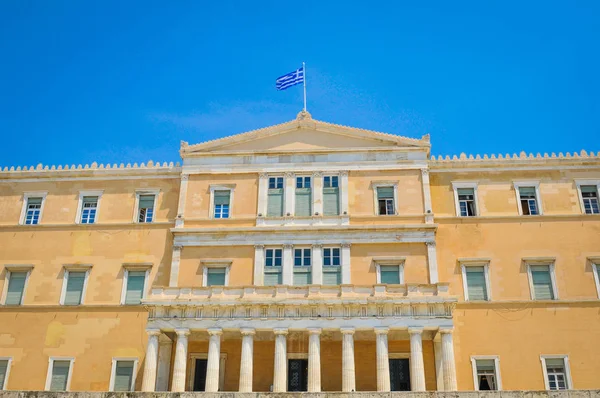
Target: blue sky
[(116, 81)]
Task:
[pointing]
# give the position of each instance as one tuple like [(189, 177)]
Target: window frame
[(312, 193), (496, 359), (485, 263), (568, 379), (206, 264), (538, 197), (51, 368), (136, 210), (551, 269), (139, 268), (385, 184), (10, 269), (80, 206), (389, 262), (8, 366), (579, 184), (595, 261), (111, 385), (74, 268), (283, 195), (26, 196), (220, 187), (456, 185)]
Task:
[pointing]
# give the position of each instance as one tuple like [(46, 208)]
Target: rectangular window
[(74, 290), (385, 200), (331, 196), (4, 364), (556, 373), (123, 375), (146, 208), (59, 375), (16, 288), (215, 276), (33, 210), (134, 290), (389, 274), (485, 370), (331, 266), (302, 266), (466, 202), (529, 202), (273, 264), (541, 281), (222, 199), (275, 197), (589, 195), (303, 197), (89, 206), (476, 283)]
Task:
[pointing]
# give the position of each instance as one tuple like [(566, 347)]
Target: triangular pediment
[(304, 134)]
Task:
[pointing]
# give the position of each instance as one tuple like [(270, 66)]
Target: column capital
[(446, 329), (317, 174), (317, 246), (381, 330), (430, 243), (344, 173), (182, 332), (263, 175), (290, 174), (177, 247), (424, 172), (215, 331), (184, 177), (415, 330), (153, 332), (247, 331), (260, 247), (347, 330), (314, 330), (288, 246), (346, 245), (280, 331)]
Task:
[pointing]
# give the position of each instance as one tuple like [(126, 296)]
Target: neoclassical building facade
[(305, 256)]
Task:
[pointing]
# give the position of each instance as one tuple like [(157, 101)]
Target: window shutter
[(215, 277), (385, 193), (542, 282), (302, 276), (331, 201), (477, 290), (332, 276), (303, 202), (146, 201), (135, 287), (3, 370), (16, 285), (123, 376), (275, 203), (273, 276), (222, 197), (60, 375), (74, 291), (389, 274), (485, 365)]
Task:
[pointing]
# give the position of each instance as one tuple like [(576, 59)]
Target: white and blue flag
[(290, 79)]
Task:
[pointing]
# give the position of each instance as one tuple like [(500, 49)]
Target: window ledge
[(18, 267)]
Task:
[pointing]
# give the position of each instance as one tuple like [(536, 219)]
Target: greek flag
[(290, 79)]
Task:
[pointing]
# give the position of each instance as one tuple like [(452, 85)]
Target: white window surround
[(581, 182), (595, 261), (383, 184), (538, 197), (211, 205), (75, 268), (550, 262), (206, 264), (15, 268), (496, 359), (391, 261), (135, 267), (32, 194), (114, 369), (49, 372), (144, 191), (80, 205), (565, 358), (485, 263), (465, 184), (9, 360)]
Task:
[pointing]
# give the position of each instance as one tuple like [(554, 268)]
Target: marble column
[(181, 349), (280, 370), (417, 367), (437, 353), (214, 358), (246, 364), (348, 372), (259, 265), (314, 360), (448, 364), (149, 380), (165, 347), (383, 362)]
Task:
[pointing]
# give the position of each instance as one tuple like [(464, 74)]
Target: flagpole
[(304, 80)]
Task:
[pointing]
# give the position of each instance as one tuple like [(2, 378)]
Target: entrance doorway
[(297, 374), (200, 375), (399, 374)]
